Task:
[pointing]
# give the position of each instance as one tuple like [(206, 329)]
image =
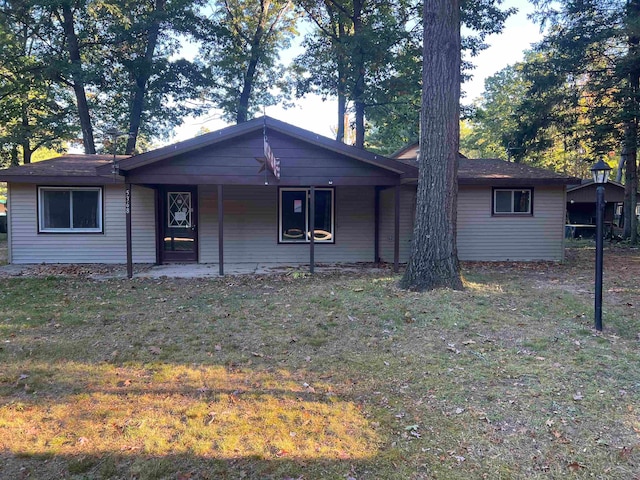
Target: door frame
[(178, 257)]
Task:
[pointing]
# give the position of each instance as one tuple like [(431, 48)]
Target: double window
[(70, 209), (295, 219), (510, 201)]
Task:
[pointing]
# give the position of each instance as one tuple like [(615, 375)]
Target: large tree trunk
[(142, 76), (434, 257), (73, 47), (631, 126), (631, 182)]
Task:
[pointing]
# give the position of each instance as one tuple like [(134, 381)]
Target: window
[(512, 201), (70, 210), (294, 217)]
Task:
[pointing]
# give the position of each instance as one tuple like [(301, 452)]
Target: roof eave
[(515, 181), (61, 179)]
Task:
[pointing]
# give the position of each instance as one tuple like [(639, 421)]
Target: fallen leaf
[(217, 348), (468, 342), (575, 466), (256, 354), (578, 396), (358, 289), (155, 350)]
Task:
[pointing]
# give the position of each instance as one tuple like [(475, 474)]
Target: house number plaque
[(127, 200)]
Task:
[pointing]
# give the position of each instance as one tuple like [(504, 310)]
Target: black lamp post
[(600, 176)]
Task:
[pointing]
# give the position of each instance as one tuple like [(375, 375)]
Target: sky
[(316, 115)]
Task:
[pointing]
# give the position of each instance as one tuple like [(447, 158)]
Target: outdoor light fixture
[(600, 172)]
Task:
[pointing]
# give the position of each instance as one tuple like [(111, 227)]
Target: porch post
[(127, 211), (159, 228), (312, 227), (376, 222), (221, 229), (396, 233)]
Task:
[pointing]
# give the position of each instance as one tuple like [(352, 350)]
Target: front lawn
[(326, 377)]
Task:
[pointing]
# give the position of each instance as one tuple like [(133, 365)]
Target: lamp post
[(600, 172)]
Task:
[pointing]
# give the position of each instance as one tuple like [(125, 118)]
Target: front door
[(179, 229)]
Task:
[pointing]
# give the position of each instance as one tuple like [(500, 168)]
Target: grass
[(330, 376)]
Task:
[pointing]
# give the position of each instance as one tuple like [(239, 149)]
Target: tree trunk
[(256, 52), (631, 126), (25, 141), (631, 183), (434, 257), (243, 102), (14, 156), (142, 76), (26, 152), (359, 69), (73, 47), (342, 112)]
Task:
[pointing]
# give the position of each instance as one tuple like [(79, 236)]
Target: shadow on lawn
[(183, 467), (181, 422)]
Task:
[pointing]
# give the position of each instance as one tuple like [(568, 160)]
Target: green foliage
[(490, 129), (96, 64), (577, 79), (35, 111), (144, 88), (395, 106), (242, 43), (357, 52)]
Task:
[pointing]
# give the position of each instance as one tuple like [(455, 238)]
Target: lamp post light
[(600, 172)]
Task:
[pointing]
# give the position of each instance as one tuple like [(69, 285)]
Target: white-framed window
[(69, 209), (513, 201), (294, 218)]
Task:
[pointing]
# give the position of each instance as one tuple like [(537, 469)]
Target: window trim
[(511, 213), (70, 230), (307, 240)]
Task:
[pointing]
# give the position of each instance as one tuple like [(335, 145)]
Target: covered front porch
[(235, 225), (254, 192)]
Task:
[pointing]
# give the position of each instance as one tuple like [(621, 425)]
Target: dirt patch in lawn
[(339, 375)]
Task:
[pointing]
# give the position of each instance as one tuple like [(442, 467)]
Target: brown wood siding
[(234, 162), (587, 194), (109, 247), (251, 227)]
